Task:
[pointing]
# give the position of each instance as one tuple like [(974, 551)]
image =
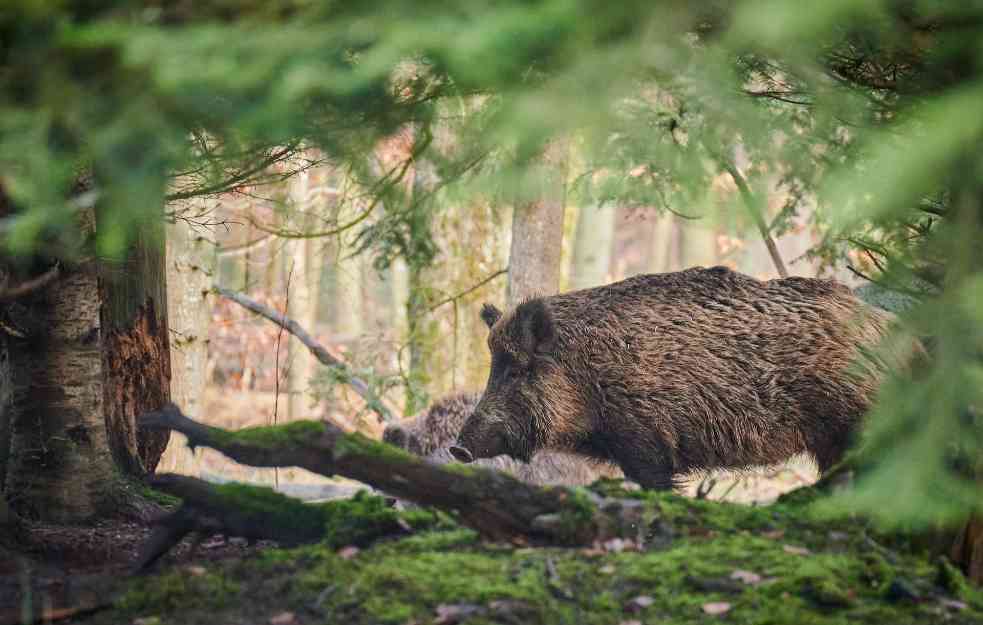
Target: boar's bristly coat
[(667, 374), (432, 432)]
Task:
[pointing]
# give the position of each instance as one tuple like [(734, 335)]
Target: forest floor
[(734, 557), (66, 567), (702, 562)]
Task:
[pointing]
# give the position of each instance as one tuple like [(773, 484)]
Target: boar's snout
[(399, 436), (461, 454)]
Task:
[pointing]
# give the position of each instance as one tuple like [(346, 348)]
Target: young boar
[(431, 433), (673, 373)]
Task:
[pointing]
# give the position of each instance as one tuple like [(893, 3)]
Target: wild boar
[(433, 432), (668, 374)]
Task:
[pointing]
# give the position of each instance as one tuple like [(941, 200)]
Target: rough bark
[(191, 265), (61, 466), (967, 550), (537, 230), (495, 504), (136, 351), (6, 411), (11, 530)]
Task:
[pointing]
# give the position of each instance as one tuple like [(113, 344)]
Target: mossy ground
[(790, 569)]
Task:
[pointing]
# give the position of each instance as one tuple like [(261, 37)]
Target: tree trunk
[(421, 336), (967, 551), (136, 351), (592, 247), (676, 251), (421, 325), (302, 299), (61, 468), (191, 266), (660, 242), (349, 289), (6, 412), (537, 230)]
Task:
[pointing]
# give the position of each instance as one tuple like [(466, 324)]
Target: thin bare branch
[(245, 248), (235, 180), (751, 204), (360, 386), (29, 286), (469, 290)]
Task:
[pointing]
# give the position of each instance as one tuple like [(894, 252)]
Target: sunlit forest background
[(292, 244)]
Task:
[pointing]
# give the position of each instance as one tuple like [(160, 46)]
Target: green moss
[(793, 569), (160, 498), (259, 505), (355, 521), (365, 517), (462, 469), (955, 583), (356, 443), (438, 541), (577, 517), (293, 433), (179, 590)]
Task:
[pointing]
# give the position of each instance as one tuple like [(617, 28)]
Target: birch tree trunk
[(191, 266), (537, 229), (61, 467)]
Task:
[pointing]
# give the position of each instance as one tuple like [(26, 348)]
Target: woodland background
[(376, 170)]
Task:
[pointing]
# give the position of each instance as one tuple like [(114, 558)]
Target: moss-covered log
[(259, 513), (497, 505)]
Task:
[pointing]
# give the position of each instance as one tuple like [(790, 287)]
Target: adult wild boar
[(672, 373), (432, 432)]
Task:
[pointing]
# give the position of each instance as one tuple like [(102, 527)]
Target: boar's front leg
[(651, 468)]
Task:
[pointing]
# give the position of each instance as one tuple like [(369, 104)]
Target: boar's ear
[(490, 314), (536, 329)]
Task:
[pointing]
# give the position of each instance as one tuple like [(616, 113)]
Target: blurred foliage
[(868, 109)]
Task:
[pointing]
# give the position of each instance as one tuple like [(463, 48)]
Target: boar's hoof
[(461, 454)]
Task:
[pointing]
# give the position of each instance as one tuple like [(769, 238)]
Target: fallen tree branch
[(360, 386), (259, 513), (495, 504)]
